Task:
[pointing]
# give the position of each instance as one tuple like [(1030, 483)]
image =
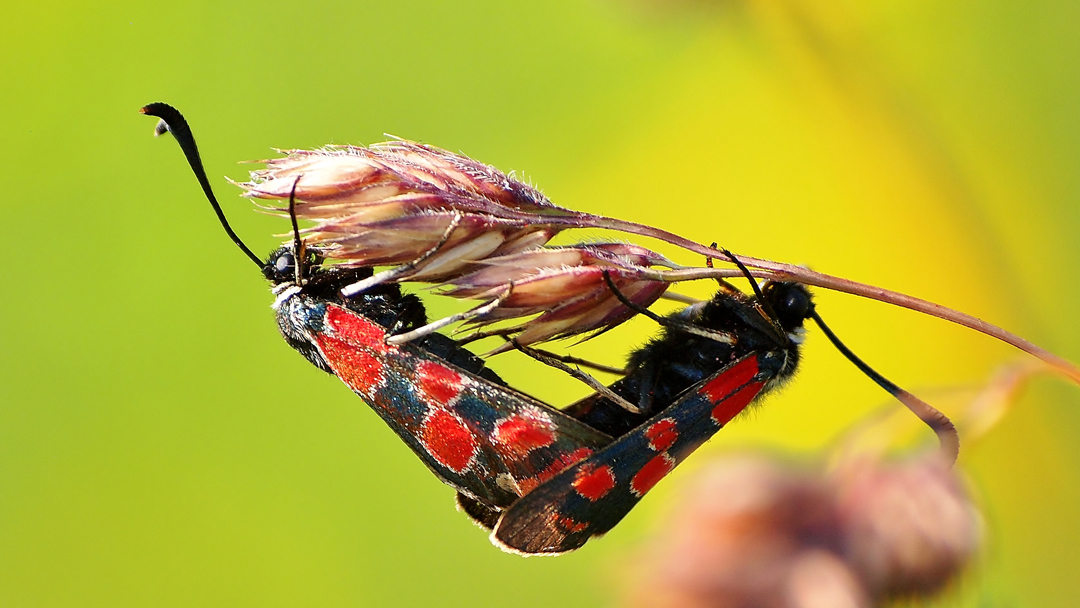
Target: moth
[(543, 480)]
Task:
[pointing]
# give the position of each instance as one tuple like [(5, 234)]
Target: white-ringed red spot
[(594, 483), (356, 329), (651, 474), (520, 434), (662, 434), (357, 367), (448, 440), (439, 384)]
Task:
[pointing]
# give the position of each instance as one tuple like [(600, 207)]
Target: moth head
[(790, 302), (280, 265)]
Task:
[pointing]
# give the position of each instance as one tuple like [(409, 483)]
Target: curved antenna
[(762, 305), (173, 121), (746, 273), (299, 256), (724, 285), (933, 417)]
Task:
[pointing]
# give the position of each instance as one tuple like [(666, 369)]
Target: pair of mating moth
[(541, 479)]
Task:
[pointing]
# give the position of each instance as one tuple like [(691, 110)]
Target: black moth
[(544, 480)]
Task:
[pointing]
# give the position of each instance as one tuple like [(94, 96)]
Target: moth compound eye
[(791, 302), (283, 263), (797, 303), (279, 266)]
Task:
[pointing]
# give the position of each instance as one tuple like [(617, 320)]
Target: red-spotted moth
[(544, 480)]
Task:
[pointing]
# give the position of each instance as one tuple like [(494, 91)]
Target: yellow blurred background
[(161, 445)]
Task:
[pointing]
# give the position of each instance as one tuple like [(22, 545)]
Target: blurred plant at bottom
[(866, 529)]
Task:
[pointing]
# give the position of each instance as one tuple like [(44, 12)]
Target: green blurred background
[(161, 445)]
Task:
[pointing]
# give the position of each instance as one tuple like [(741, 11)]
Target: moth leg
[(680, 298), (569, 359), (577, 374), (651, 373), (404, 269), (760, 304), (725, 287), (723, 337), (480, 335), (435, 326)]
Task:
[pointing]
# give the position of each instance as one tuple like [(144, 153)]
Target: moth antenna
[(723, 337), (724, 285), (933, 417), (173, 121), (761, 304), (746, 273), (299, 257)]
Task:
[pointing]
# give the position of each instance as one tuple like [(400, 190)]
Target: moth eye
[(797, 303), (282, 264)]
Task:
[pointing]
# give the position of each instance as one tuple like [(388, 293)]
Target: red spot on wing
[(561, 463), (519, 435), (356, 367), (662, 434), (356, 329), (448, 440), (593, 484), (439, 384), (651, 474), (730, 407), (731, 380), (571, 526)]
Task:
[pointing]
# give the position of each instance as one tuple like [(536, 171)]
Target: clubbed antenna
[(173, 121), (298, 244), (933, 417)]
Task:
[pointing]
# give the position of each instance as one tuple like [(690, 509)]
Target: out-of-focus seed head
[(754, 531), (565, 286), (910, 527), (394, 202)]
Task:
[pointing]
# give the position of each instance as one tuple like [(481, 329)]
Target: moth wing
[(590, 497), (489, 442)]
